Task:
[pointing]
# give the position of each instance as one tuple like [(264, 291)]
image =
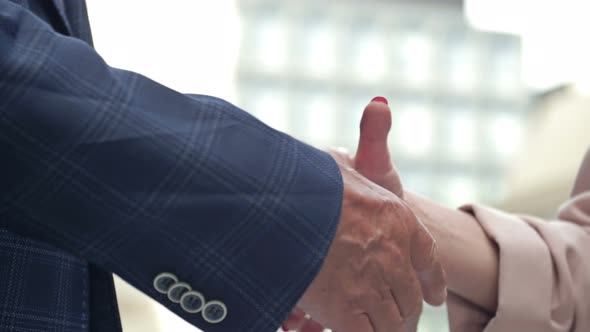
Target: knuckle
[(419, 306), (434, 251), (391, 208), (377, 203), (392, 204), (414, 312), (396, 255)]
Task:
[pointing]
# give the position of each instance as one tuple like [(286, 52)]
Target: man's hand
[(374, 162), (368, 281)]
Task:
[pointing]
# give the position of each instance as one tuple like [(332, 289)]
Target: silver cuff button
[(164, 281), (214, 312), (192, 302), (177, 290)]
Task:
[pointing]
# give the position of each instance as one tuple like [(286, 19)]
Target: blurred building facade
[(309, 68)]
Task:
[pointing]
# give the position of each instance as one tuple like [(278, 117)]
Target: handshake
[(383, 261)]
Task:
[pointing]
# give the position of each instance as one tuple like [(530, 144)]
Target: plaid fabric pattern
[(42, 288), (138, 179)]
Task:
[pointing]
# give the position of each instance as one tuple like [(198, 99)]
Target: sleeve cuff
[(525, 271)]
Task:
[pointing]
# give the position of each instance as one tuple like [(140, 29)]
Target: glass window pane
[(370, 57), (460, 62), (320, 49), (270, 107), (271, 44), (417, 53), (321, 119), (459, 190), (460, 133), (504, 132), (417, 182), (414, 129)]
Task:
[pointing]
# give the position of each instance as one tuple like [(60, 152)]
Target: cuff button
[(164, 281), (177, 290), (192, 302), (214, 312)]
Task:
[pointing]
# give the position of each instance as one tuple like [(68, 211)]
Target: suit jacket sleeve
[(544, 280), (140, 180)]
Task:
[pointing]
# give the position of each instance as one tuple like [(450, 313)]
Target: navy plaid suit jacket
[(105, 171)]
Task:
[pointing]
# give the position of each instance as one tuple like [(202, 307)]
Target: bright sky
[(189, 45)]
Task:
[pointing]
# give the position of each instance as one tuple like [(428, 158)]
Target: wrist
[(468, 255)]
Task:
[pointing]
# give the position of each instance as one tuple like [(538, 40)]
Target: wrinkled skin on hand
[(373, 161)]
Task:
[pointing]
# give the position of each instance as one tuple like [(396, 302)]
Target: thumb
[(372, 158), (298, 320)]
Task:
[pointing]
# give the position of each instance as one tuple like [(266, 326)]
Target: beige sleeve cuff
[(525, 277)]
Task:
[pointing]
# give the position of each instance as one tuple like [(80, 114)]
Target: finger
[(372, 159), (311, 326), (411, 324), (299, 321), (428, 268), (385, 316), (294, 320), (433, 284), (353, 323), (407, 292)]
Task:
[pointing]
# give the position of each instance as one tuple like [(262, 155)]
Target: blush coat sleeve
[(544, 269)]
